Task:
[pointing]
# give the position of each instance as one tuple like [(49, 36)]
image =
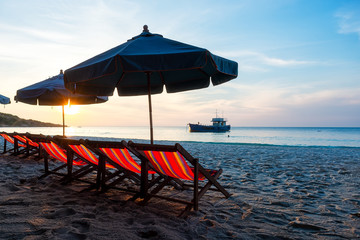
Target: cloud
[(282, 62), (333, 97), (269, 104), (349, 22), (45, 35), (259, 62)]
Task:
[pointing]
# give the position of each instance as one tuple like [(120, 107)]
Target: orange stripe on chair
[(172, 164), (123, 158), (11, 140), (87, 155), (34, 144), (48, 147), (7, 138), (176, 165), (163, 164), (186, 170), (56, 152), (154, 163), (84, 152), (26, 140)]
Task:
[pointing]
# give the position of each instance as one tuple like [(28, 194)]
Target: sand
[(278, 193)]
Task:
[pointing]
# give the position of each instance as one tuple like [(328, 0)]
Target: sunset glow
[(70, 109)]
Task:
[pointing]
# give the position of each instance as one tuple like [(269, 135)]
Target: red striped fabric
[(25, 139), (11, 140), (171, 164), (122, 157), (56, 152), (34, 144), (84, 152)]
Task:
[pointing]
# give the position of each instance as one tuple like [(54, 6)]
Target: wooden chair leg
[(4, 146), (70, 158), (101, 169), (157, 189), (196, 185), (144, 178), (46, 167)]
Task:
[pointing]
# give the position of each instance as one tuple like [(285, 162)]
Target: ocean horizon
[(278, 136)]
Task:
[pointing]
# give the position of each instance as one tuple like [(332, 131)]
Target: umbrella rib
[(162, 78), (203, 72), (121, 77)]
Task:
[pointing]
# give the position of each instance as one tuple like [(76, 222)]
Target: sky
[(299, 60)]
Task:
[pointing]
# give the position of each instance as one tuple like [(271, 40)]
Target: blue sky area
[(299, 60)]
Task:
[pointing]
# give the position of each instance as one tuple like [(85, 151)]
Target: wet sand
[(278, 193)]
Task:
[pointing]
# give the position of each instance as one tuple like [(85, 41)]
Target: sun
[(71, 109)]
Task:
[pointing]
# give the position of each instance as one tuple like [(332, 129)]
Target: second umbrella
[(51, 92)]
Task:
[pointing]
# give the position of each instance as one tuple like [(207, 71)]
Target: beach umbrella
[(52, 92), (144, 64), (4, 100)]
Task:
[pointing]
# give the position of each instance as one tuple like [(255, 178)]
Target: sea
[(279, 136)]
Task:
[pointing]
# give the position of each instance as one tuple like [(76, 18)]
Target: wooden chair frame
[(68, 163), (31, 147), (198, 191), (17, 147), (120, 174)]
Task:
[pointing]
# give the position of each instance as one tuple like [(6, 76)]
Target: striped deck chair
[(116, 156), (88, 156), (31, 147), (14, 141), (174, 162), (60, 154)]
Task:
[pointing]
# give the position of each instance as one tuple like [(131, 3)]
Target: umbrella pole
[(63, 116), (144, 186), (150, 108)]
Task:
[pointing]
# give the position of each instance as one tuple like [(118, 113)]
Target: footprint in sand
[(148, 234), (129, 221), (60, 213), (82, 225), (63, 233), (12, 187)]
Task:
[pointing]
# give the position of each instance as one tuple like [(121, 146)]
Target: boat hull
[(208, 128)]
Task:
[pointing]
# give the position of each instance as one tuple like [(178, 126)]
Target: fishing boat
[(218, 125)]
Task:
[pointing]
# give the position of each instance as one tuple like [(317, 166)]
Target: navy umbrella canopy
[(4, 100), (145, 64), (52, 92)]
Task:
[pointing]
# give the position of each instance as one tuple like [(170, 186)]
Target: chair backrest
[(26, 140), (31, 142), (36, 138), (11, 139), (122, 157), (7, 138), (57, 152), (117, 153), (171, 164), (85, 153), (167, 160)]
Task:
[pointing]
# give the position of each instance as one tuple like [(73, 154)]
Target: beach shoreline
[(277, 192)]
